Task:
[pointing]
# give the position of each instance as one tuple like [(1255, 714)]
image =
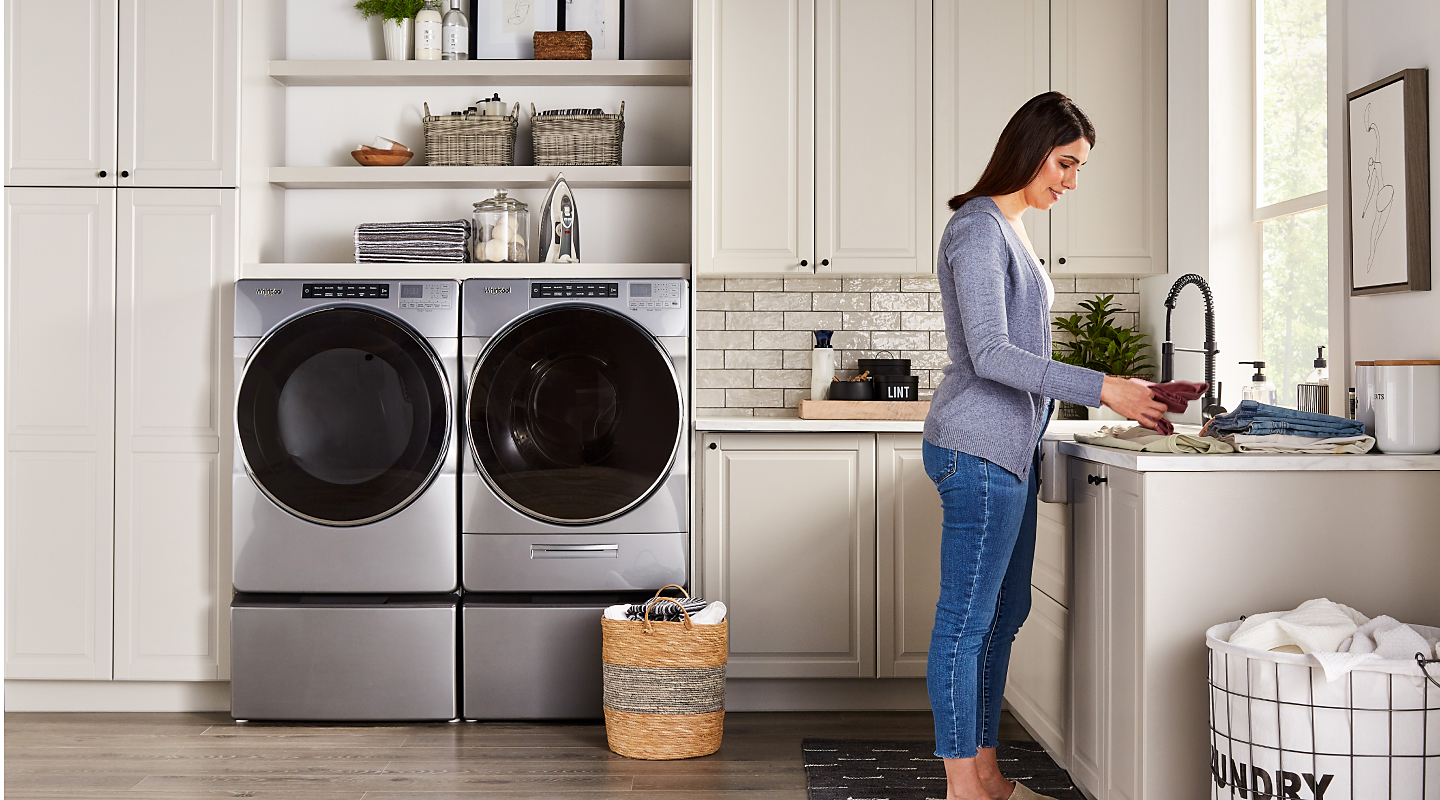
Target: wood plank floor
[(208, 756)]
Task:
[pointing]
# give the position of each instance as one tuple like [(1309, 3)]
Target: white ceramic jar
[(1365, 395), (1407, 406)]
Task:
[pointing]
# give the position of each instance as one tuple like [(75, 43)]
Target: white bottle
[(428, 29), (822, 366), (455, 34)]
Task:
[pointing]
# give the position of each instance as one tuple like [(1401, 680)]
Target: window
[(1290, 199)]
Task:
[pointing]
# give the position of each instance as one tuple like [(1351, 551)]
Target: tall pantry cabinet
[(120, 243)]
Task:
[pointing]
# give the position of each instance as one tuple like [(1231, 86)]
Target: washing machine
[(345, 506), (575, 480)]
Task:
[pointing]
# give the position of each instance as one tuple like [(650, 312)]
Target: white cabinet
[(1037, 686), (788, 543), (908, 519), (115, 410), (1109, 56), (1105, 645), (176, 252), (813, 136), (59, 431), (122, 93)]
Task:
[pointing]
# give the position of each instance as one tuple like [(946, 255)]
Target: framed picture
[(604, 20), (1387, 185), (506, 28)]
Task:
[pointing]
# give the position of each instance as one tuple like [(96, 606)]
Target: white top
[(1049, 288)]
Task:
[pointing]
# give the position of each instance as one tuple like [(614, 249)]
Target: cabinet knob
[(103, 173), (1042, 262), (1062, 261), (124, 173), (714, 446), (824, 262), (804, 262), (1096, 479)]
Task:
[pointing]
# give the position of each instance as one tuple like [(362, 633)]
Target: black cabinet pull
[(1062, 261), (804, 262), (1095, 479), (714, 446), (1042, 262), (824, 262), (103, 173), (124, 173)]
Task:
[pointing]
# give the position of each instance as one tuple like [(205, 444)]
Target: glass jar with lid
[(501, 226)]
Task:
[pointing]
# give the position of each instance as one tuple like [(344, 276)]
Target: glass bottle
[(456, 34), (501, 225)]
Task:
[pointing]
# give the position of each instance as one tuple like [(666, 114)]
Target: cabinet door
[(872, 136), (970, 111), (60, 93), (908, 556), (59, 431), (755, 134), (178, 90), (1109, 56), (1123, 570), (1037, 687), (788, 529), (1087, 628), (176, 251)]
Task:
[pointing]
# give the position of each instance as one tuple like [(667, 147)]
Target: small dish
[(382, 158)]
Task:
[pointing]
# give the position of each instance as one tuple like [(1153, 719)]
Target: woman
[(985, 424)]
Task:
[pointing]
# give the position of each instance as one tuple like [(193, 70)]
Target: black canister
[(885, 366), (904, 388)]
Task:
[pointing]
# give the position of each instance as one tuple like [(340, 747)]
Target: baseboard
[(23, 695), (826, 694)]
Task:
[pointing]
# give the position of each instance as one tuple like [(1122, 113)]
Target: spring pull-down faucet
[(1211, 407)]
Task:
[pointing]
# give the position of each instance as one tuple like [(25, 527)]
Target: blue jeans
[(987, 550)]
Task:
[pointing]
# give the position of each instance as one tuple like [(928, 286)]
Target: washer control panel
[(583, 289), (323, 291), (655, 295), (427, 296)]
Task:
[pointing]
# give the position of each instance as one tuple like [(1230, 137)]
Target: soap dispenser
[(1259, 389), (1314, 394), (822, 365)]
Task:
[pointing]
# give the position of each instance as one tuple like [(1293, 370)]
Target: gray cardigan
[(993, 399)]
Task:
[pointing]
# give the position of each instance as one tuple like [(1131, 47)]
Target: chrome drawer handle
[(574, 551)]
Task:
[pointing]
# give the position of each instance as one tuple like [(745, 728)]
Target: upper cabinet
[(145, 97), (1109, 57), (813, 136)]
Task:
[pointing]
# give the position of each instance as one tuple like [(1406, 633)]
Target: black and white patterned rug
[(854, 769)]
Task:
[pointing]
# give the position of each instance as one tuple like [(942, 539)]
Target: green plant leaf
[(390, 9)]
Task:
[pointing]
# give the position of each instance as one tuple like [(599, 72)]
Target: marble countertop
[(1058, 429)]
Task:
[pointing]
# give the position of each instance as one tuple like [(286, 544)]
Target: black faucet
[(1212, 407)]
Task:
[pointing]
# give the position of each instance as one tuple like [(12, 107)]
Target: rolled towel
[(668, 610)]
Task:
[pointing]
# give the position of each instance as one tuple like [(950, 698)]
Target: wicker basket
[(664, 686), (470, 141), (578, 140), (562, 46)]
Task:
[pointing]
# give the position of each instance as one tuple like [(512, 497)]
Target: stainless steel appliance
[(575, 479), (344, 485)]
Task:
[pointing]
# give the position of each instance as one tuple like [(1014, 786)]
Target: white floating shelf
[(479, 177), (481, 73), (368, 272)]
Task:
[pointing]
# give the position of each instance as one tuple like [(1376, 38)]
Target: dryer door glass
[(343, 416), (575, 414)]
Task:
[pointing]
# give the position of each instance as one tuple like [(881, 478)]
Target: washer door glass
[(343, 416), (575, 414)]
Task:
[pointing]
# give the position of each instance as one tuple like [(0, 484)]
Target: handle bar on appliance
[(574, 551)]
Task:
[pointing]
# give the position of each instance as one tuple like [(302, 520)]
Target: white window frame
[(1295, 205)]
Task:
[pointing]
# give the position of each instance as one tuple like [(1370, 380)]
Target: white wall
[(1379, 38)]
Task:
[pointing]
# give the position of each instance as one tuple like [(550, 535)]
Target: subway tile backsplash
[(753, 340)]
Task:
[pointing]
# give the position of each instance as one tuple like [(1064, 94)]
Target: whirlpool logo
[(497, 290), (263, 292)]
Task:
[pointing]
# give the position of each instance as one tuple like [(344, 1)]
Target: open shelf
[(346, 271), (479, 177), (481, 73)]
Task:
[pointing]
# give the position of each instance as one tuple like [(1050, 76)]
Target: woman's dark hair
[(1045, 122)]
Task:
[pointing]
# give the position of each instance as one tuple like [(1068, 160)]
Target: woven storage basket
[(578, 140), (562, 45), (470, 141), (664, 686)]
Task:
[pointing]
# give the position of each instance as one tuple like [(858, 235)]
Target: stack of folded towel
[(433, 242), (668, 610), (1260, 428)]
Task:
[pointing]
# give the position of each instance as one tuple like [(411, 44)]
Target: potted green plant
[(1098, 343), (396, 21)]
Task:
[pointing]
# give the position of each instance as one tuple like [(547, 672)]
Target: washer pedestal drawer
[(573, 562), (356, 657)]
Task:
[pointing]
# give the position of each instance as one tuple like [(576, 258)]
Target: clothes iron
[(559, 225)]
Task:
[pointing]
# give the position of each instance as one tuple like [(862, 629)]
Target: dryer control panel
[(655, 295)]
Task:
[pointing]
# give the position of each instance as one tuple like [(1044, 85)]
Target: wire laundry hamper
[(1279, 729)]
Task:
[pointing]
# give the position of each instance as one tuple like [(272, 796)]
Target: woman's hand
[(1132, 400)]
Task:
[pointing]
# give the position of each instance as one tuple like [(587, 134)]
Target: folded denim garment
[(1259, 419), (1278, 443)]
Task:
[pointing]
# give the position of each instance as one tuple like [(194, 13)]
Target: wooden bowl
[(382, 158)]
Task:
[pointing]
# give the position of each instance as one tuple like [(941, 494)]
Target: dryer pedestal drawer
[(578, 562), (374, 658)]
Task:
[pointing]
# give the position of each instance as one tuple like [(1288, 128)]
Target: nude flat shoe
[(1022, 793)]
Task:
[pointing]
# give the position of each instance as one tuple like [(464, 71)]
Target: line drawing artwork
[(1380, 195), (519, 13)]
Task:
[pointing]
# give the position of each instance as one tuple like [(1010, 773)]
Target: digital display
[(318, 291), (639, 290), (412, 290)]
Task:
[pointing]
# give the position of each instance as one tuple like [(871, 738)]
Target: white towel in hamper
[(1383, 639), (1317, 626)]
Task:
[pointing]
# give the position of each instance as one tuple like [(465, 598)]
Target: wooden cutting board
[(864, 409)]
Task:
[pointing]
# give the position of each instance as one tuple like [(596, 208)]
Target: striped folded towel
[(667, 611), (443, 241)]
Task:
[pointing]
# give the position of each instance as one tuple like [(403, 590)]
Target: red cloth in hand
[(1176, 395)]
